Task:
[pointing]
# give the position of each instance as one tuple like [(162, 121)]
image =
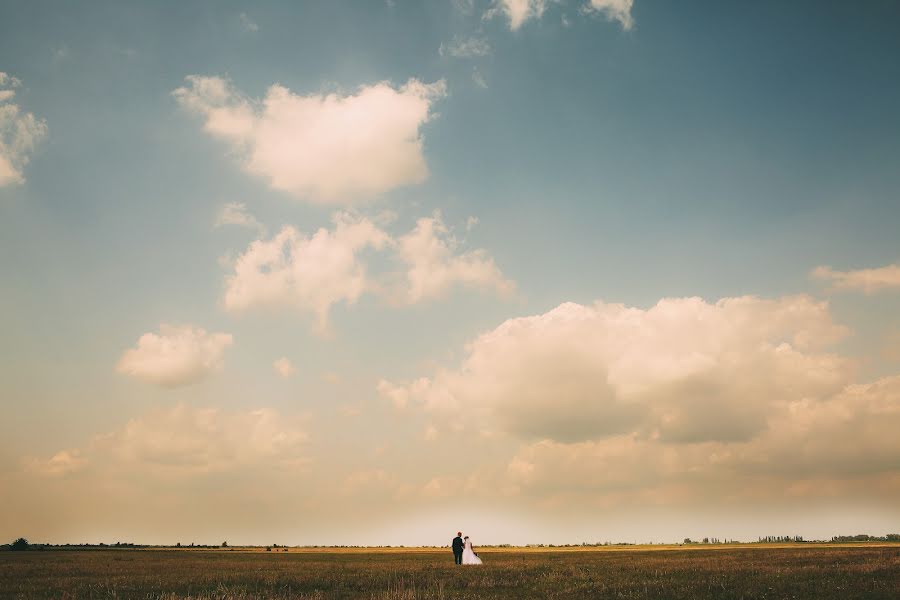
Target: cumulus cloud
[(308, 273), (614, 10), (517, 11), (176, 356), (284, 367), (434, 265), (183, 440), (235, 213), (326, 148), (465, 47), (20, 133), (811, 446), (313, 273), (867, 281), (683, 371)]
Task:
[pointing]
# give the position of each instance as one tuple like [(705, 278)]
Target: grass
[(754, 572)]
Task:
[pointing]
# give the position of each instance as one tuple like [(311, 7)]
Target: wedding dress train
[(469, 557)]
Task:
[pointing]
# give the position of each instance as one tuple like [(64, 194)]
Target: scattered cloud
[(325, 148), (465, 47), (517, 11), (308, 273), (235, 213), (683, 371), (188, 441), (466, 7), (478, 78), (247, 23), (434, 266), (176, 356), (20, 133), (613, 10), (284, 367), (313, 273), (61, 463), (867, 281), (520, 11)]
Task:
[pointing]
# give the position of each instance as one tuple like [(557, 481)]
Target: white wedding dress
[(469, 557)]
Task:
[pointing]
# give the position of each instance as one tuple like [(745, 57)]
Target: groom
[(457, 546)]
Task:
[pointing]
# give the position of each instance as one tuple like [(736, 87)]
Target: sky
[(542, 271)]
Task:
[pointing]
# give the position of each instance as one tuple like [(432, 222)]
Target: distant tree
[(688, 541), (178, 544), (268, 548), (224, 544), (20, 544)]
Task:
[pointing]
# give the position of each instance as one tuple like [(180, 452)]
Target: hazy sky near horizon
[(375, 272)]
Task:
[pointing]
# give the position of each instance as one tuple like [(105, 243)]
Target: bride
[(469, 557)]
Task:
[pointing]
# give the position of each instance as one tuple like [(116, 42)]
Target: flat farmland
[(738, 572)]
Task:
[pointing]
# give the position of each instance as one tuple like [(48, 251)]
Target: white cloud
[(465, 47), (235, 213), (326, 148), (517, 11), (178, 355), (613, 10), (811, 447), (20, 132), (867, 281), (61, 463), (434, 266), (247, 23), (520, 11), (188, 441), (478, 78), (466, 7), (682, 371), (314, 273), (308, 273), (284, 367)]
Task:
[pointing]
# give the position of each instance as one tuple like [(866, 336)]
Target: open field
[(741, 572)]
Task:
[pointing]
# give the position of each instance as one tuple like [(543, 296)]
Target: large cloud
[(187, 441), (20, 133), (683, 371), (867, 281), (839, 445), (176, 356), (321, 147)]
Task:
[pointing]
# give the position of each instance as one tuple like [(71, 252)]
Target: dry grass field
[(744, 572)]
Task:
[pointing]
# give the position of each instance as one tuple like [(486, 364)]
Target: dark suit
[(457, 546)]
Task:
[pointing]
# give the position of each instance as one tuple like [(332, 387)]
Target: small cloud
[(284, 367), (348, 410), (471, 47), (613, 10), (247, 23), (235, 213), (471, 222), (20, 133), (479, 79), (331, 378), (176, 356), (466, 7), (61, 463), (867, 281)]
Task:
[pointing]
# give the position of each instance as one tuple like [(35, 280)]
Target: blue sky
[(625, 154)]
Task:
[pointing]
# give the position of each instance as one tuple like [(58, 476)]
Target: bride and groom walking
[(463, 552)]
